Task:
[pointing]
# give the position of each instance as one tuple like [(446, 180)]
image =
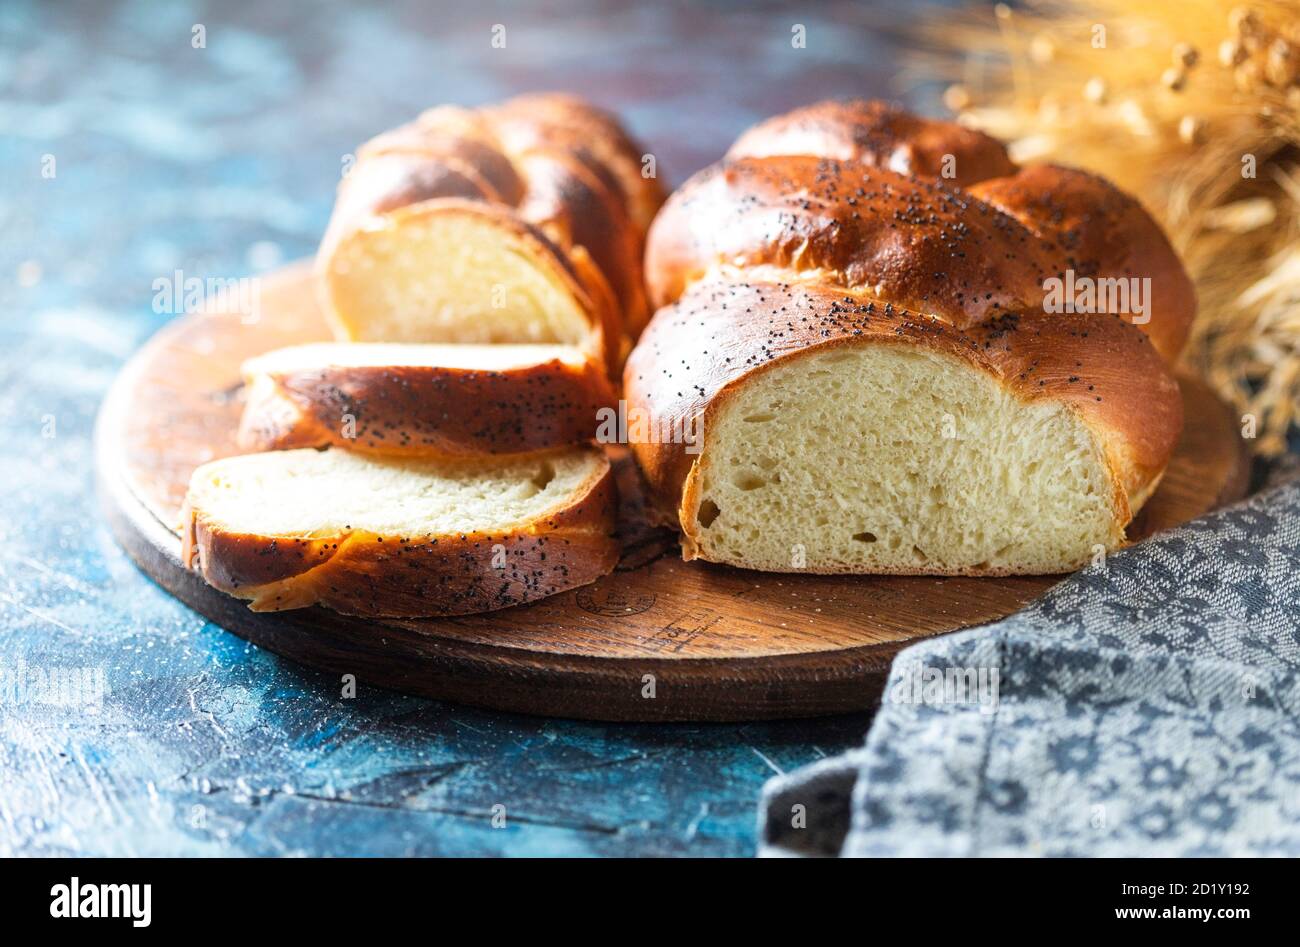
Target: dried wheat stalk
[(1179, 102)]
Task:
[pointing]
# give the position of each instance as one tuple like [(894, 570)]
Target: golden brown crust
[(963, 253), (554, 162), (589, 132), (577, 208), (918, 244), (424, 410), (1097, 231), (1104, 369), (362, 573), (881, 135)]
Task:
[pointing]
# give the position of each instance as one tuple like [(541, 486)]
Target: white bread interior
[(837, 461), (310, 494), (452, 271), (471, 357)]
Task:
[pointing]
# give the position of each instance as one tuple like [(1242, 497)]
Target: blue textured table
[(129, 151)]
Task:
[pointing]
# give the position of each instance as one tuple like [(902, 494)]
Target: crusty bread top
[(721, 332), (423, 400), (915, 243), (878, 134), (779, 209), (1095, 229), (544, 119)]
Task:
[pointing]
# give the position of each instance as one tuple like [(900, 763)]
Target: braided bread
[(873, 359), (519, 222)]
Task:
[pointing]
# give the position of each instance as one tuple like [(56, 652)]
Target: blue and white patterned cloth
[(1149, 705)]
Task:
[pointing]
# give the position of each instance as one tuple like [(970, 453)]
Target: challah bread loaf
[(423, 400), (840, 434), (877, 382), (399, 537), (520, 222)]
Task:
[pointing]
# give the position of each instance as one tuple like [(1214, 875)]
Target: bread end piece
[(401, 539)]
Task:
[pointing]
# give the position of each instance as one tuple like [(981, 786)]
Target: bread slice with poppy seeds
[(423, 400), (400, 537)]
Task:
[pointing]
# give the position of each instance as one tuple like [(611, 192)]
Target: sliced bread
[(423, 400), (398, 537), (839, 435)]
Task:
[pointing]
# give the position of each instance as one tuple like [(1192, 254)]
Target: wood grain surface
[(710, 642)]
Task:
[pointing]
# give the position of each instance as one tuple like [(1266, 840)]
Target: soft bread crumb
[(488, 358), (309, 493), (844, 454), (447, 274)]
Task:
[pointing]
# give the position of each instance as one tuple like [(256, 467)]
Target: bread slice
[(401, 538), (454, 270), (423, 400), (838, 435)]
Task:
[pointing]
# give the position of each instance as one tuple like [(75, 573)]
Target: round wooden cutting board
[(659, 639)]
